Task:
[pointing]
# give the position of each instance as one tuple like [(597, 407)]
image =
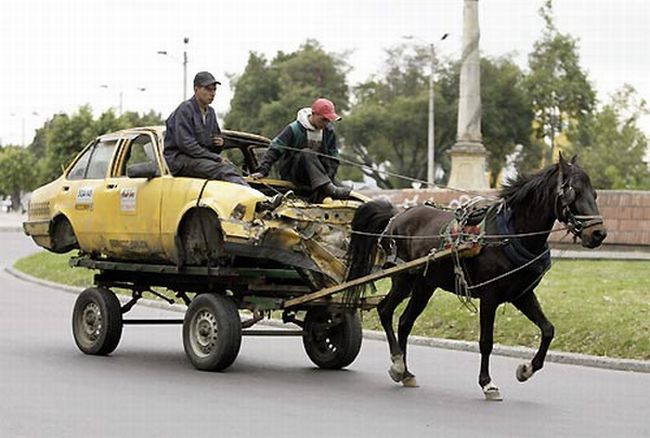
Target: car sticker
[(84, 199), (127, 199)]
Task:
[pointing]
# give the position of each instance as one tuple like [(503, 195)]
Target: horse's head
[(576, 204)]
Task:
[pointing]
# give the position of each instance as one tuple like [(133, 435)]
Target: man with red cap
[(307, 152)]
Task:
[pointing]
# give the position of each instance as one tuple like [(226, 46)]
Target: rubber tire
[(336, 347), (97, 321), (218, 314)]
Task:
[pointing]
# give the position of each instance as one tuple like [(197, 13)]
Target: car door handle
[(111, 186), (65, 188)]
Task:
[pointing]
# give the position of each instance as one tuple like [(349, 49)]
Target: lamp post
[(122, 96), (186, 40), (33, 113), (431, 166)]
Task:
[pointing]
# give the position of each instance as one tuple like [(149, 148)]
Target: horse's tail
[(370, 220)]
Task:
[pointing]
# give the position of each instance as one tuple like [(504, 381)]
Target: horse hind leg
[(399, 290), (530, 307), (422, 292)]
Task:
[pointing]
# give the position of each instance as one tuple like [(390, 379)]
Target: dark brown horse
[(512, 261)]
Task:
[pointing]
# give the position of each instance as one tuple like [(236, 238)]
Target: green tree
[(63, 136), (17, 173), (267, 96), (559, 88), (506, 112), (387, 127), (612, 147)]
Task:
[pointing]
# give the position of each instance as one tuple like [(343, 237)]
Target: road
[(147, 388)]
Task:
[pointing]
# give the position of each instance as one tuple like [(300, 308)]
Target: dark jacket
[(294, 136), (187, 134)]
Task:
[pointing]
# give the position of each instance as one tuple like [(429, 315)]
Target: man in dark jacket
[(307, 152), (193, 136)]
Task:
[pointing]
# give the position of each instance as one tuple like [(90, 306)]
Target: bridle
[(565, 199)]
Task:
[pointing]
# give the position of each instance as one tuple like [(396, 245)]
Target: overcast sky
[(57, 54)]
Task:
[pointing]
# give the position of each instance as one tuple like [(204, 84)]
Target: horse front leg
[(486, 342), (399, 290), (419, 299), (529, 306)]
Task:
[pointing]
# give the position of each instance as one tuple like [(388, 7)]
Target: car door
[(78, 196), (132, 225)]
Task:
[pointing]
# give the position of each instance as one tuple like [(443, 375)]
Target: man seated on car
[(193, 136), (308, 152)]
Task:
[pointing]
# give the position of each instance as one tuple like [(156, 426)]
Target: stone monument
[(468, 154)]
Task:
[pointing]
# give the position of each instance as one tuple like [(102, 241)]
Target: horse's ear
[(563, 166), (574, 159)]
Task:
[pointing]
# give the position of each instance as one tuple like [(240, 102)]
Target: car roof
[(160, 131)]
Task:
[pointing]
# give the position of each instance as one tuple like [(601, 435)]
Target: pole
[(430, 144), (185, 41), (121, 100)]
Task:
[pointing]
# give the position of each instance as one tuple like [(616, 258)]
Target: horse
[(513, 257)]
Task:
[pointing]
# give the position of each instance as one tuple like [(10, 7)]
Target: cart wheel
[(97, 321), (212, 332), (332, 340)]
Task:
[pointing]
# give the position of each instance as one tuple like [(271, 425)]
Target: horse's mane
[(533, 189)]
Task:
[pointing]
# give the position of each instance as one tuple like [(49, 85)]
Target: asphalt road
[(147, 388)]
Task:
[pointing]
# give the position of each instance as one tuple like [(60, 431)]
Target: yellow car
[(118, 201)]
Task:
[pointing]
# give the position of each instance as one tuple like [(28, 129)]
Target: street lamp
[(122, 95), (431, 131), (33, 113), (186, 40)]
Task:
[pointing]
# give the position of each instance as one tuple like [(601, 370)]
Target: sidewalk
[(12, 221)]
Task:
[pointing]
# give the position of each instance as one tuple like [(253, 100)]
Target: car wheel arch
[(62, 235), (199, 237)]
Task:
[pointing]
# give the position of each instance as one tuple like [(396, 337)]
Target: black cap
[(204, 78)]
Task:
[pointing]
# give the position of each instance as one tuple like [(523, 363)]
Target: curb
[(641, 366)]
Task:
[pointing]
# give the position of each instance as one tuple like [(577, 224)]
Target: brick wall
[(626, 213)]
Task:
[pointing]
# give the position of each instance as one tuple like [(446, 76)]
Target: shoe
[(270, 204), (334, 192)]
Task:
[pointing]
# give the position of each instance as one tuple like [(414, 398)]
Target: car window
[(235, 156), (140, 151), (78, 171), (100, 159)]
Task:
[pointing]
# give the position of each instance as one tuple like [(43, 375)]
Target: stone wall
[(626, 213)]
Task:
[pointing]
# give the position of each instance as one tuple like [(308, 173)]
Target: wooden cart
[(212, 325)]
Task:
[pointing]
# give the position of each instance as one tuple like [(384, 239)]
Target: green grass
[(597, 307)]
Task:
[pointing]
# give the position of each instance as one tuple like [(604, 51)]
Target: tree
[(17, 173), (506, 112), (63, 136), (267, 96), (612, 147), (559, 88), (387, 127)]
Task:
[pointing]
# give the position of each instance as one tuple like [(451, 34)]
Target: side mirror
[(142, 170)]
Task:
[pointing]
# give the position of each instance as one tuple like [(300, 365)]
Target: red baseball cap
[(325, 107)]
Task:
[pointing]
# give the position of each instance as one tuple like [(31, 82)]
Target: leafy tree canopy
[(268, 95), (612, 147), (559, 88)]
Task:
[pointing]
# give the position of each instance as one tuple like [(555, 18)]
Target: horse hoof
[(524, 371), (492, 393), (410, 382), (395, 375)]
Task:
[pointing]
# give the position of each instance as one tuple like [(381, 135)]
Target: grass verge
[(598, 307)]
